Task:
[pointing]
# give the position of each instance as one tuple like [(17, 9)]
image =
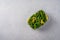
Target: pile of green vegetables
[(38, 19)]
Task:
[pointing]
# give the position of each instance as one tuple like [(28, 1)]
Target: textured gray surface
[(13, 20)]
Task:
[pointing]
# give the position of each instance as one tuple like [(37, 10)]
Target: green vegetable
[(38, 19)]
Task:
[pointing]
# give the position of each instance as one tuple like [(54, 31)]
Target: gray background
[(13, 20)]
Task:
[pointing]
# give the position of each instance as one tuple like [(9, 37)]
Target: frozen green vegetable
[(38, 19)]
